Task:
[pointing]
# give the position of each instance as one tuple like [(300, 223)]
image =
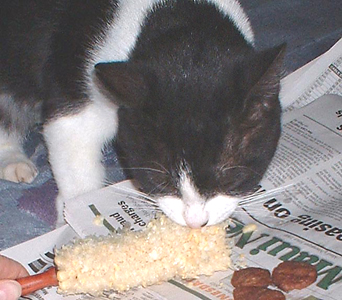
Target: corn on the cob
[(164, 250)]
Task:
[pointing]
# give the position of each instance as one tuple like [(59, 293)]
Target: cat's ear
[(263, 80), (123, 81)]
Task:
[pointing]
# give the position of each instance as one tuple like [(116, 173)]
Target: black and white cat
[(192, 105)]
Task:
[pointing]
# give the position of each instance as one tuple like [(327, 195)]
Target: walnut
[(257, 293), (291, 275), (256, 277)]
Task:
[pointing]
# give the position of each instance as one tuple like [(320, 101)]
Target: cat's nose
[(195, 217), (205, 223), (196, 224)]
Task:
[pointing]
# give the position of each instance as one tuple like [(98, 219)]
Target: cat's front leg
[(75, 145)]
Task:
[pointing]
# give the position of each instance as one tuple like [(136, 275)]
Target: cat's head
[(197, 138)]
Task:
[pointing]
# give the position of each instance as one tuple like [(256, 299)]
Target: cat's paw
[(18, 171)]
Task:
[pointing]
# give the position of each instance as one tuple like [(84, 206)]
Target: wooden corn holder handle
[(34, 283)]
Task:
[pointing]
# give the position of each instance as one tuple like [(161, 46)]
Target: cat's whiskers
[(225, 168), (146, 169), (127, 191), (262, 195), (135, 194), (160, 187), (141, 195), (161, 168), (166, 171)]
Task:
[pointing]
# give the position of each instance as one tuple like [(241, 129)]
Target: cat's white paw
[(15, 166), (18, 171)]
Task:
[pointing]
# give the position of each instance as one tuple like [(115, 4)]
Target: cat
[(192, 105)]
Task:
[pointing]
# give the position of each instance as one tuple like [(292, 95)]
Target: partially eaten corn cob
[(164, 250)]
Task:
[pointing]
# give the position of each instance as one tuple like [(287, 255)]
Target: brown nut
[(257, 293), (294, 275), (271, 295), (256, 277), (247, 292)]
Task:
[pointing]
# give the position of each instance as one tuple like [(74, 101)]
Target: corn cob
[(164, 250)]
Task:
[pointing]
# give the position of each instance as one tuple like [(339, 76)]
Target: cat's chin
[(196, 215)]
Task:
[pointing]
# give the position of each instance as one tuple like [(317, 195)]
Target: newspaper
[(297, 210), (320, 77)]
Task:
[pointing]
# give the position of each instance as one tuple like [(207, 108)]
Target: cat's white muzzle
[(192, 209), (196, 215)]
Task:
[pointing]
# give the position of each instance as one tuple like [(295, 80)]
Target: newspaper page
[(114, 207), (297, 211), (320, 77)]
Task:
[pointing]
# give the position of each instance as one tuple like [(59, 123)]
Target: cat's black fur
[(44, 47), (194, 96)]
